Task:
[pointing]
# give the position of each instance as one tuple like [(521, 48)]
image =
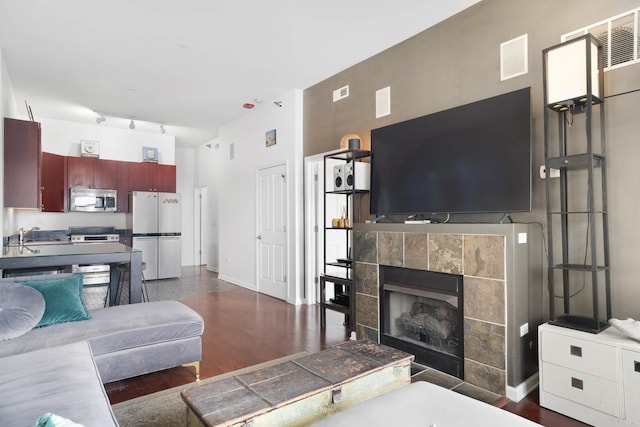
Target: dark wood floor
[(243, 328)]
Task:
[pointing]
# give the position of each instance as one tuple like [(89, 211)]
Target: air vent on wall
[(619, 37)]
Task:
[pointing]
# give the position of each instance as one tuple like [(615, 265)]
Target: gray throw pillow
[(21, 308)]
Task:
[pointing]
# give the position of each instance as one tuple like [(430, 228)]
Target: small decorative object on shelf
[(149, 155), (89, 148)]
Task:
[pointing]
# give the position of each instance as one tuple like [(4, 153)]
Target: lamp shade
[(572, 72), (345, 141)]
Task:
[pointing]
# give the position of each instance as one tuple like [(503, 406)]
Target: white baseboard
[(520, 391), (250, 286)]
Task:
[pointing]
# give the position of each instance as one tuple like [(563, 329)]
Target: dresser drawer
[(579, 355), (631, 378), (579, 387)]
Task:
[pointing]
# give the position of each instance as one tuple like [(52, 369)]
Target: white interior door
[(272, 231)]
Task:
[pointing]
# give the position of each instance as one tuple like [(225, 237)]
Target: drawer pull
[(576, 351), (576, 383), (336, 395), (636, 366)]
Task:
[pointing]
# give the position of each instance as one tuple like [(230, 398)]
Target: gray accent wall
[(457, 62)]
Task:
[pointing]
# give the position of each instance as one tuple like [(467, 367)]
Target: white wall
[(185, 183), (208, 161), (233, 186), (63, 137)]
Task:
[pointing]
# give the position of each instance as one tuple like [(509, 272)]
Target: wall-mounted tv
[(475, 158)]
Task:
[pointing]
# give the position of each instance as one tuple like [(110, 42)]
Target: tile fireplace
[(500, 266)]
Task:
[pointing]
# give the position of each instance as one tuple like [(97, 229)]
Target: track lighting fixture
[(132, 125), (162, 129), (100, 119)]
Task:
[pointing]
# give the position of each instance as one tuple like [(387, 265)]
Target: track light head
[(100, 119), (162, 129), (132, 125)]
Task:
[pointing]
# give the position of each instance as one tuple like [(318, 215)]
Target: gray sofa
[(61, 368)]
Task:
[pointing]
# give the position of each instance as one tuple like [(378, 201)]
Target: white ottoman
[(424, 404)]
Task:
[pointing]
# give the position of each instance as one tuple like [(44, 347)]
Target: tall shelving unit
[(577, 218), (338, 273)]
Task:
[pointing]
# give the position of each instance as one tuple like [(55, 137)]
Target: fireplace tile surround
[(502, 269)]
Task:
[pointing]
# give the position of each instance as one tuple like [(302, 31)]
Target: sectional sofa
[(60, 368)]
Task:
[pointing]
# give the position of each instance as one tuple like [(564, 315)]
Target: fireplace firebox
[(421, 312)]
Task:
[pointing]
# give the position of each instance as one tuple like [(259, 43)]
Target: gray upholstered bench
[(62, 380)]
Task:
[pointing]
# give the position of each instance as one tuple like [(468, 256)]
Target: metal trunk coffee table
[(302, 391)]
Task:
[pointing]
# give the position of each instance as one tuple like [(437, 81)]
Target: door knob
[(259, 237)]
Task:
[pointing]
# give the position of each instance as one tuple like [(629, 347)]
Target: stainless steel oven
[(93, 274)]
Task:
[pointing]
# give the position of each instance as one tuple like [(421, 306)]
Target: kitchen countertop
[(33, 256), (33, 249)]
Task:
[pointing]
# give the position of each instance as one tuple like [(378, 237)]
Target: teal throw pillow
[(62, 298), (53, 420)]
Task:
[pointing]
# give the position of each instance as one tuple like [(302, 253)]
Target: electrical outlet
[(555, 173)]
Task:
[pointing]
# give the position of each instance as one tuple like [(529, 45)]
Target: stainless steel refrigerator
[(154, 222)]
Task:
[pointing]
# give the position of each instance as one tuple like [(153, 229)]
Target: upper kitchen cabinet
[(164, 178), (54, 182), (21, 164), (91, 172), (152, 177), (122, 185)]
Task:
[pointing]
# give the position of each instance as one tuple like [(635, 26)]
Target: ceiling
[(190, 65)]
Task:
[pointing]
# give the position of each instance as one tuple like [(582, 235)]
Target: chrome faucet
[(22, 232)]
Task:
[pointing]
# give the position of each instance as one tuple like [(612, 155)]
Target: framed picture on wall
[(271, 138)]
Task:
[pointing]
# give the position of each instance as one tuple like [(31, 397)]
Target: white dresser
[(594, 378)]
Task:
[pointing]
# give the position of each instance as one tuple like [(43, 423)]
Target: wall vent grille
[(619, 37)]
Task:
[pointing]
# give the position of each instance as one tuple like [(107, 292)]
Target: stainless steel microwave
[(93, 200)]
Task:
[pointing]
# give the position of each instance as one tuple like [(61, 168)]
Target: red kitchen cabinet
[(140, 177), (90, 172), (105, 174), (21, 164), (164, 178), (152, 177), (122, 185), (54, 184)]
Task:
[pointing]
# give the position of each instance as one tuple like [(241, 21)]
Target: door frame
[(313, 224), (288, 181), (201, 226)]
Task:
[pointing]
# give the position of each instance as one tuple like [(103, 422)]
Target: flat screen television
[(475, 158)]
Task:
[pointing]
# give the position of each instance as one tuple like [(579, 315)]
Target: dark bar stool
[(123, 270)]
